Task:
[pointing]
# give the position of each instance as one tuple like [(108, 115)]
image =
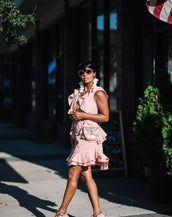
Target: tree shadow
[(26, 200), (9, 174)]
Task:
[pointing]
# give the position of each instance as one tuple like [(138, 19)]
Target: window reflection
[(113, 20), (51, 72), (100, 28)]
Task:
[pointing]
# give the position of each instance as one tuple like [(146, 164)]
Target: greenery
[(147, 128), (12, 19), (167, 144)]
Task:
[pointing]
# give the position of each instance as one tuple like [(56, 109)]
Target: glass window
[(103, 44), (100, 28)]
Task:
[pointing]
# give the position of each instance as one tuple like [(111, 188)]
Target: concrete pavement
[(33, 176)]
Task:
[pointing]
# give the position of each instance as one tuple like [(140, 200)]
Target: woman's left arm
[(103, 110)]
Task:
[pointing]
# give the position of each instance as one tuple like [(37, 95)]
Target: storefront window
[(102, 37), (104, 49)]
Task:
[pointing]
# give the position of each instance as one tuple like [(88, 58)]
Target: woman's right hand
[(76, 116)]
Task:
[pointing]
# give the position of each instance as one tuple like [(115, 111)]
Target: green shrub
[(167, 142), (147, 128)]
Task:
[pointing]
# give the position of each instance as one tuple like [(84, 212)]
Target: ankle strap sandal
[(61, 214), (98, 214)]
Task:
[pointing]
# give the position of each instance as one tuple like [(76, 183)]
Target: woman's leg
[(73, 175), (86, 175)]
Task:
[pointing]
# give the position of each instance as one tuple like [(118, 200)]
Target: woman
[(88, 106)]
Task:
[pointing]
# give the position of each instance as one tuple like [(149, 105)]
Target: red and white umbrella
[(161, 9)]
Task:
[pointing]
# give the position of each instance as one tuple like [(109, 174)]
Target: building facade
[(126, 43)]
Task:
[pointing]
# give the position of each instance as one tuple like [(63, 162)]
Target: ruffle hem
[(84, 159)]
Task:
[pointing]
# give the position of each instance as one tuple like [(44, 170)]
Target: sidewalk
[(33, 176)]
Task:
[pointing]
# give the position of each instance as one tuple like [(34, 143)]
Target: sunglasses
[(87, 71)]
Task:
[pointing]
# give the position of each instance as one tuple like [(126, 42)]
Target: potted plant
[(147, 132)]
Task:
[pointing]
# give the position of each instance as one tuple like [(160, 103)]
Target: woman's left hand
[(76, 116)]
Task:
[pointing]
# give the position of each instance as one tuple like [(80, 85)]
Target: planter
[(159, 185)]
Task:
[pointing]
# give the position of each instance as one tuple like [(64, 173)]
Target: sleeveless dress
[(84, 152)]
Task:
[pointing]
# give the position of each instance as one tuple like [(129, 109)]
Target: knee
[(86, 178), (73, 177)]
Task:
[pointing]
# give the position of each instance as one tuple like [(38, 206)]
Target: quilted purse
[(91, 133)]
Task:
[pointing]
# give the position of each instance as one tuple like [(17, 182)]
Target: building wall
[(135, 49)]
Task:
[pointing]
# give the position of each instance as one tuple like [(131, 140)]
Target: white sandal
[(98, 214), (61, 214)]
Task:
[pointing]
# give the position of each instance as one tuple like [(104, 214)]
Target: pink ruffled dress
[(84, 152)]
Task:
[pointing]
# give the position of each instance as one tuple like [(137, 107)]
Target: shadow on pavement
[(30, 202), (119, 190), (8, 174), (116, 189)]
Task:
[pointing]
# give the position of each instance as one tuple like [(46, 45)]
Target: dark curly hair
[(86, 64)]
